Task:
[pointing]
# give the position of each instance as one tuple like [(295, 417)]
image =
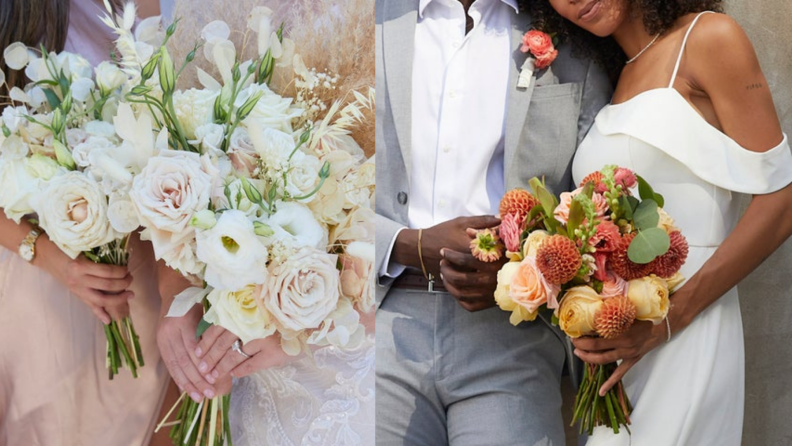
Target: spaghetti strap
[(682, 49)]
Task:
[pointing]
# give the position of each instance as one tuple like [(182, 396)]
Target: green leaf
[(646, 216), (202, 327), (52, 98), (634, 202), (647, 193), (626, 207), (648, 244)]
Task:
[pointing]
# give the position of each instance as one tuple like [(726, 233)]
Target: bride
[(322, 398), (693, 114)]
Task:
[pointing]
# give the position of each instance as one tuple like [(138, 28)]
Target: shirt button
[(402, 197), (446, 149), (441, 203)]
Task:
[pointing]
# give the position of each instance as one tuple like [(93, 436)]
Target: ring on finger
[(237, 347)]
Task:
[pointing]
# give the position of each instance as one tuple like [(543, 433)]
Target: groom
[(457, 126)]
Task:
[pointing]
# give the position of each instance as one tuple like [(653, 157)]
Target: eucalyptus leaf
[(647, 193), (634, 202), (646, 216), (648, 244), (202, 327)]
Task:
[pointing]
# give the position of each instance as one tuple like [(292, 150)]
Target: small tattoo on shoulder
[(754, 86)]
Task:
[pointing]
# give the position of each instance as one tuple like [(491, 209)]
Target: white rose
[(167, 193), (17, 187), (243, 155), (238, 312), (303, 176), (294, 225), (73, 211), (109, 77), (82, 151), (209, 137), (194, 108), (272, 146), (302, 291), (233, 254)]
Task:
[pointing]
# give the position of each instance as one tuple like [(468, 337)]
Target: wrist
[(405, 250)]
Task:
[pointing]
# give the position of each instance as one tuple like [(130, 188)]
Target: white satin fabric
[(326, 400), (689, 391)]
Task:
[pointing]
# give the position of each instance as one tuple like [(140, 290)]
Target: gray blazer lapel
[(519, 98), (399, 42)]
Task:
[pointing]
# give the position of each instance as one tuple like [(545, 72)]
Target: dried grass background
[(337, 35)]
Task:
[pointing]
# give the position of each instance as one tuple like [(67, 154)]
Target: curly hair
[(658, 16)]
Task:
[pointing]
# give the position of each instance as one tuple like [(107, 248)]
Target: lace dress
[(327, 401), (689, 391)]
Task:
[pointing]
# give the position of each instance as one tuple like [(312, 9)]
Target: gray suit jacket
[(545, 122)]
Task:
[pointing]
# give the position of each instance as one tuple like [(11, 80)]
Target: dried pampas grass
[(332, 35)]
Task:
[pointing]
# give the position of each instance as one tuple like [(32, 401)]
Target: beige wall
[(766, 296)]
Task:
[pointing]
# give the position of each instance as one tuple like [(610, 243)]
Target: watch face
[(26, 251)]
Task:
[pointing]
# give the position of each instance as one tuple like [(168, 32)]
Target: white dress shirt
[(459, 92)]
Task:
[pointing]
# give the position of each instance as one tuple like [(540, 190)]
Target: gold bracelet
[(668, 325), (420, 255)]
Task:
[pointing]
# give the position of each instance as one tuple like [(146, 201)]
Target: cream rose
[(578, 311), (666, 222), (194, 108), (650, 297), (528, 290), (73, 211), (239, 313), (233, 254), (302, 291), (243, 155), (502, 295), (167, 193)]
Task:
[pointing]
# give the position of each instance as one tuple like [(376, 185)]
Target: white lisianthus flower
[(194, 108), (73, 65), (302, 291), (82, 151), (233, 253), (109, 77), (209, 137), (73, 211), (17, 187), (166, 194), (271, 110), (239, 313), (294, 225)]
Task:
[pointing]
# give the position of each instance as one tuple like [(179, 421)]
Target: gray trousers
[(448, 376)]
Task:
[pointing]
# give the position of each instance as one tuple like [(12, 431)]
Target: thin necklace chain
[(644, 49)]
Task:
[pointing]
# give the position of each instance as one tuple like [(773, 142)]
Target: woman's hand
[(219, 360), (103, 288), (630, 347)]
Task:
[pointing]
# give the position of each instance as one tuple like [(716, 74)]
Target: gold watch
[(27, 249)]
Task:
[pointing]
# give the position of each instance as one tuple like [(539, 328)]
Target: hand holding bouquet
[(599, 257)]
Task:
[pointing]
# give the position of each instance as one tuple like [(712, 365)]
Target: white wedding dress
[(327, 401), (689, 391)]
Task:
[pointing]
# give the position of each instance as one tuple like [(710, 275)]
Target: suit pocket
[(549, 137)]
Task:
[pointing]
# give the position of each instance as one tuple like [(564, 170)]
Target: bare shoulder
[(718, 40)]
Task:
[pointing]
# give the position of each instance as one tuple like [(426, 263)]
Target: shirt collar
[(424, 3)]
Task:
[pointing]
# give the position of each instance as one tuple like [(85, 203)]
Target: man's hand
[(471, 281), (451, 234)]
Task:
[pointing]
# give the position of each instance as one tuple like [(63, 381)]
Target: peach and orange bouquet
[(599, 257)]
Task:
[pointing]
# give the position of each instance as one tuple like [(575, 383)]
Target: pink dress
[(54, 388)]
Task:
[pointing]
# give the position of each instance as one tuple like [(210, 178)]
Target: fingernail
[(210, 378), (215, 373), (442, 252), (196, 397), (198, 352), (203, 366), (209, 394), (441, 276)]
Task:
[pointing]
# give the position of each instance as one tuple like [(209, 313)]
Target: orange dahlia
[(593, 177), (669, 263), (558, 259), (519, 202), (620, 264), (614, 317)]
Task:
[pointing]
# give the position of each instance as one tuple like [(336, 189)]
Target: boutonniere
[(541, 47)]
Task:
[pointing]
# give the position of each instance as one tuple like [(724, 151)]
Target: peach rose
[(545, 60), (613, 286), (540, 45), (650, 297), (578, 311)]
